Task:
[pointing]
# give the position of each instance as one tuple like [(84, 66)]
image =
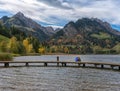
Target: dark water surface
[(61, 78)]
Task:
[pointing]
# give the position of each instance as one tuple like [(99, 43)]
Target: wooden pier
[(101, 65), (58, 63)]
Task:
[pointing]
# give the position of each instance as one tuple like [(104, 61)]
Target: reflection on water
[(60, 78), (99, 58)]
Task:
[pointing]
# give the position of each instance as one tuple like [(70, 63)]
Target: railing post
[(57, 60), (6, 64)]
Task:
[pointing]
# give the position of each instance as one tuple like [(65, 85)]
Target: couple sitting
[(77, 59)]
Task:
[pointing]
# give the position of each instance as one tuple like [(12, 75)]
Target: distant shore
[(37, 54)]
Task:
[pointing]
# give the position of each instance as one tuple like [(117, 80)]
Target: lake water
[(93, 58), (61, 78)]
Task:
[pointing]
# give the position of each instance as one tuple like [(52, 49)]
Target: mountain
[(48, 30), (27, 25), (87, 33), (57, 29), (86, 26)]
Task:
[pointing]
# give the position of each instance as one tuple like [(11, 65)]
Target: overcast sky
[(60, 12)]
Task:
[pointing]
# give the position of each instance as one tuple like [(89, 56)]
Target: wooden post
[(112, 66), (79, 64), (83, 65), (102, 66), (45, 64), (6, 64), (95, 65), (119, 67), (62, 64), (65, 64), (57, 60), (27, 64)]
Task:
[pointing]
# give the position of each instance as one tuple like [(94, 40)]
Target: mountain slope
[(3, 38), (87, 33), (86, 26), (27, 25), (89, 25)]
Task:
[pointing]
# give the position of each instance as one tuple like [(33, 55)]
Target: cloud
[(55, 27), (59, 12), (57, 3)]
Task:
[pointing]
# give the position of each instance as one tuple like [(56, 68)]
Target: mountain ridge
[(87, 24), (86, 35), (27, 25), (82, 25)]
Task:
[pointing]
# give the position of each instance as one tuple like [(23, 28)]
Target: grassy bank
[(6, 57)]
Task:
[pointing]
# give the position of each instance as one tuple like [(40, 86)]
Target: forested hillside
[(15, 41), (88, 36)]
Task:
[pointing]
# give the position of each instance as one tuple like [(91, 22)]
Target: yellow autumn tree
[(66, 50), (53, 49), (28, 46), (41, 50), (13, 45)]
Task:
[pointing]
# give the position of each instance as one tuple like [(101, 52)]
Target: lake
[(60, 78), (93, 58)]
